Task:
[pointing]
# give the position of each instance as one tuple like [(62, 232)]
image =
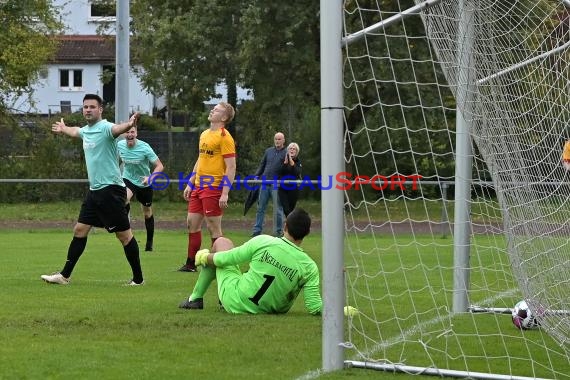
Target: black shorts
[(143, 194), (106, 208)]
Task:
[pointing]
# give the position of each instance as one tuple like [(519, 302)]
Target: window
[(102, 8), (70, 79), (77, 78)]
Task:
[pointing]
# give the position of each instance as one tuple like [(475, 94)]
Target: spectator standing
[(290, 170), (269, 169)]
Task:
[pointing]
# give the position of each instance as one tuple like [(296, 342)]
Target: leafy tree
[(279, 51), (279, 59), (273, 49), (26, 44), (185, 48)]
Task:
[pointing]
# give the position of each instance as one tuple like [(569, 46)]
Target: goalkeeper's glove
[(202, 257), (350, 311)]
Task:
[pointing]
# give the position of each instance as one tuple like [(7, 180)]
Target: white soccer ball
[(523, 318)]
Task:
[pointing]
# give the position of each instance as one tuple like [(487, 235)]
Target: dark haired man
[(278, 270), (138, 158), (104, 204)]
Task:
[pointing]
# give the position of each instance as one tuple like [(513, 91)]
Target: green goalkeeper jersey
[(278, 270)]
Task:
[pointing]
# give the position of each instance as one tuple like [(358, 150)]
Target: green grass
[(164, 210), (175, 211), (403, 287), (97, 328)]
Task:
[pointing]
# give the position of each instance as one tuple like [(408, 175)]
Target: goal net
[(472, 96)]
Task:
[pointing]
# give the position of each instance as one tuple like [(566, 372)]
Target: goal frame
[(332, 158)]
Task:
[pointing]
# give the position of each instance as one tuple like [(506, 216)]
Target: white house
[(81, 61), (78, 67)]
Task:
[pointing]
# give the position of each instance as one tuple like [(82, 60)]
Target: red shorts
[(205, 201)]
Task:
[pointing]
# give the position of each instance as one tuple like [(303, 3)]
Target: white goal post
[(464, 91)]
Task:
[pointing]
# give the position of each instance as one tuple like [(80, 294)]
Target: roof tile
[(83, 48)]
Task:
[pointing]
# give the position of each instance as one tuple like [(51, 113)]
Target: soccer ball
[(523, 318)]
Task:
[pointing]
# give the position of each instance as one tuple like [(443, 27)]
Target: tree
[(26, 44), (215, 28), (279, 51), (279, 58), (185, 48)]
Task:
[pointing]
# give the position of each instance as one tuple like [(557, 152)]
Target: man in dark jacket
[(268, 170)]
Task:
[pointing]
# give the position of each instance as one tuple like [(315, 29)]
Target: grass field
[(176, 211), (97, 328)]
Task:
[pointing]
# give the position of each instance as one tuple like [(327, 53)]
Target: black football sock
[(149, 224), (74, 252), (132, 254)]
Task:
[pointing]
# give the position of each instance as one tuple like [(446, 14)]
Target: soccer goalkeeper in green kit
[(278, 270)]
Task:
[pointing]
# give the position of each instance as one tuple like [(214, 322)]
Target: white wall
[(47, 93), (76, 16)]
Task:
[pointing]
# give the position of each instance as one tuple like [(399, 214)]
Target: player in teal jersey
[(104, 204), (278, 270), (138, 158)]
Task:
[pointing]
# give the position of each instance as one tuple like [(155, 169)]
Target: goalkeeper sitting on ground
[(278, 270)]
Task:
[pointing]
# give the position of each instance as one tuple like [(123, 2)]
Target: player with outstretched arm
[(104, 204)]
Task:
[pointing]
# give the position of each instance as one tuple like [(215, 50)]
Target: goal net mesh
[(503, 66)]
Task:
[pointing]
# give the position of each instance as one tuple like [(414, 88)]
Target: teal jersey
[(101, 155), (278, 271), (137, 160)]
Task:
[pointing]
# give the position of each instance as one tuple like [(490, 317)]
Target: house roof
[(83, 48)]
